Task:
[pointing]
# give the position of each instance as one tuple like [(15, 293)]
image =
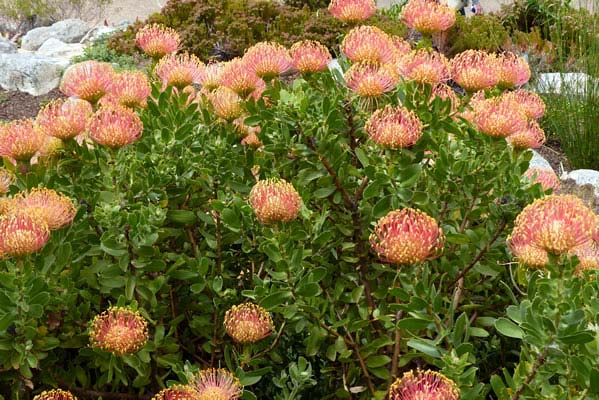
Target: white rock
[(68, 31), (97, 32), (538, 161), (584, 177), (556, 82), (334, 65), (58, 49), (30, 73), (6, 46)]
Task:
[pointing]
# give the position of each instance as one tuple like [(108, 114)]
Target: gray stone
[(58, 49), (30, 73), (68, 31), (584, 177), (97, 32), (6, 46), (538, 161)]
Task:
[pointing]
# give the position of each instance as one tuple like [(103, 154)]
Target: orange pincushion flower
[(275, 200), (425, 66), (65, 119), (406, 236), (56, 394), (394, 127), (119, 330), (20, 139), (216, 384), (309, 56), (115, 126), (352, 11), (88, 80), (210, 79), (588, 254), (531, 104), (252, 140), (236, 75), (226, 103), (51, 146), (369, 44), (7, 204), (7, 178), (22, 233), (402, 46), (428, 16), (177, 392), (131, 88), (475, 70), (370, 80), (267, 59), (56, 209), (498, 117), (157, 40), (531, 137), (179, 70), (427, 385), (513, 70), (445, 92), (248, 323), (545, 176)]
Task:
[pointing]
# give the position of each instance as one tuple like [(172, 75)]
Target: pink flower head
[(267, 59), (248, 323), (554, 224), (7, 178), (369, 44), (179, 70), (275, 200), (210, 79), (56, 394), (22, 233), (394, 127), (115, 126), (531, 104), (407, 236), (402, 46), (531, 137), (425, 385), (157, 40), (545, 176), (226, 103), (65, 119), (51, 147), (352, 11), (445, 92), (252, 141), (425, 66), (428, 16), (20, 139), (216, 384), (56, 209), (88, 80), (236, 75), (309, 56), (131, 89), (119, 330), (177, 392), (588, 254), (498, 117), (513, 70), (475, 70), (371, 80)]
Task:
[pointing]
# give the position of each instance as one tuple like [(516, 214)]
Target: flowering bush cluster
[(269, 228)]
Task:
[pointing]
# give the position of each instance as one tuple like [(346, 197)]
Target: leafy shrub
[(484, 32), (311, 4), (99, 51)]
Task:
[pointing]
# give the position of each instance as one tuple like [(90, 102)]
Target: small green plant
[(483, 32), (100, 51)]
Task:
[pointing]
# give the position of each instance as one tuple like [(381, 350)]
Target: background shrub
[(484, 32)]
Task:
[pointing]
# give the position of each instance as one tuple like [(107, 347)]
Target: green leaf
[(377, 361), (274, 299), (594, 377), (362, 157), (413, 324), (577, 338), (508, 328), (184, 217), (425, 346), (324, 192)]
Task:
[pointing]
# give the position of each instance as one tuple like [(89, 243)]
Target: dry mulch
[(16, 105)]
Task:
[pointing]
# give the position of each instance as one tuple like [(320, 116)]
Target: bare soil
[(17, 105)]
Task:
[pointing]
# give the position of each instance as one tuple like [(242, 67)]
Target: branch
[(533, 372), (396, 348), (274, 343)]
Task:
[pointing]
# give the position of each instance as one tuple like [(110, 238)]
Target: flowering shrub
[(329, 234)]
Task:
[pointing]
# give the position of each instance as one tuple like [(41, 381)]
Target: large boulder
[(58, 49), (538, 161), (97, 32), (6, 46), (584, 177), (30, 73), (68, 31)]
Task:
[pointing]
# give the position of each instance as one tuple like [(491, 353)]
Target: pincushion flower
[(51, 147), (275, 200), (56, 209), (7, 178), (119, 330), (248, 323), (352, 11), (252, 141), (530, 103), (65, 119), (115, 126), (475, 70), (88, 80), (157, 40), (428, 16), (22, 233), (406, 236), (243, 129), (445, 92), (226, 103), (216, 384), (425, 66), (554, 224), (177, 392), (131, 88), (394, 127), (20, 139), (236, 75), (309, 56), (498, 117), (531, 137), (513, 70), (371, 80), (267, 59), (179, 70), (545, 176), (55, 394), (402, 46), (588, 254), (210, 78), (424, 385), (369, 44), (7, 204)]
